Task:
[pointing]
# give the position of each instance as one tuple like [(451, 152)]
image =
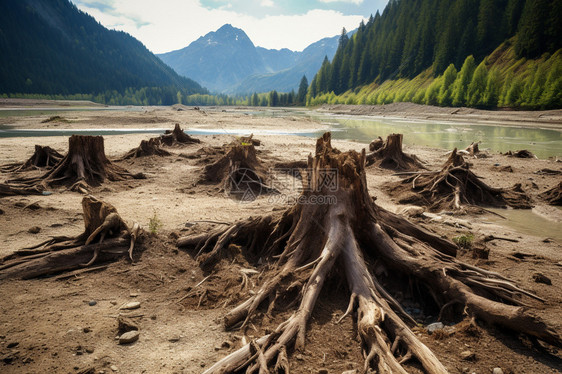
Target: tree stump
[(43, 157), (390, 156), (376, 144), (553, 196), (455, 187), (239, 172), (106, 237), (150, 147), (84, 165), (345, 235), (177, 137)]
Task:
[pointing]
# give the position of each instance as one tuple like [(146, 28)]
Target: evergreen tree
[(445, 97), (463, 80), (303, 89), (477, 87)]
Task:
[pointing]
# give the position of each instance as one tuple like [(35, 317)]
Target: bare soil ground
[(69, 325)]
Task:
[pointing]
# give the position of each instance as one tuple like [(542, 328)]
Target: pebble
[(129, 337), (541, 278), (174, 339), (468, 356), (435, 326), (34, 230), (300, 357), (92, 303), (497, 371), (86, 330), (323, 371), (354, 371), (131, 305), (113, 367), (12, 345), (113, 302)]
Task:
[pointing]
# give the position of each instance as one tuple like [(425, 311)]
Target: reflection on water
[(528, 222), (542, 142)]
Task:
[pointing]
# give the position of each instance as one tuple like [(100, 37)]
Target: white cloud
[(357, 2), (173, 24), (267, 3)]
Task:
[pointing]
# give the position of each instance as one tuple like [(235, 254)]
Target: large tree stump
[(150, 147), (553, 196), (177, 137), (336, 230), (84, 165), (106, 237), (455, 187), (43, 157), (238, 171), (390, 155)]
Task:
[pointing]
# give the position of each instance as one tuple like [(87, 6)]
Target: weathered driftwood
[(106, 236), (350, 236), (454, 187)]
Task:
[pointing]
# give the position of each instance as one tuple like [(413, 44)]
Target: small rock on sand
[(129, 337), (131, 305)]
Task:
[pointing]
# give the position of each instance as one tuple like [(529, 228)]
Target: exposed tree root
[(553, 196), (520, 154), (85, 165), (150, 147), (238, 171), (455, 187), (43, 157), (106, 236), (8, 190), (177, 137), (390, 155), (309, 243)]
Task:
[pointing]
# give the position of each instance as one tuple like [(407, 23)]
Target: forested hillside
[(52, 48), (439, 52)]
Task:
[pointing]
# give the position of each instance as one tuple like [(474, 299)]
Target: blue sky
[(167, 25)]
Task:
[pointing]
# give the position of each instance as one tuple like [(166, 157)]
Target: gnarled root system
[(85, 165), (389, 155), (106, 236), (454, 187), (349, 236)]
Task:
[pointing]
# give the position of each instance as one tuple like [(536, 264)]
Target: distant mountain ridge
[(51, 47), (227, 61)]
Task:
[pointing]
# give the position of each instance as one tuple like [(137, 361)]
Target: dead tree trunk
[(106, 236), (553, 196), (239, 172), (85, 165), (43, 157), (390, 156), (344, 230), (455, 187), (150, 147), (177, 137)]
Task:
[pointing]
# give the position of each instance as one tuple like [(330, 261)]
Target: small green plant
[(154, 224), (464, 241)]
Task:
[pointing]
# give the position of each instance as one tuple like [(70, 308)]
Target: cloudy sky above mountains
[(168, 25)]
